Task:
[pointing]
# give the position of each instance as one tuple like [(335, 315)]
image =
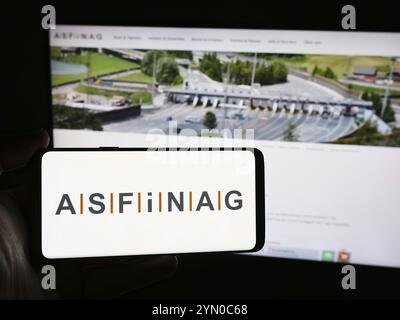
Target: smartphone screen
[(137, 202)]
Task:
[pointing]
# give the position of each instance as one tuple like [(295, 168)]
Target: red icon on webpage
[(344, 256)]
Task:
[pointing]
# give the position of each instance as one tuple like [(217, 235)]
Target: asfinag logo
[(77, 36), (118, 203), (149, 202)]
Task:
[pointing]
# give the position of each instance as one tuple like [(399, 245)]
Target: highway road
[(266, 125), (298, 87)]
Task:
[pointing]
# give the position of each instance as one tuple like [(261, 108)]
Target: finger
[(122, 278), (15, 152)]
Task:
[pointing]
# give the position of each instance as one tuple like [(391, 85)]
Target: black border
[(259, 197), (323, 277), (271, 277)]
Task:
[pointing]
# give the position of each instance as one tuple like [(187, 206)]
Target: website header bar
[(229, 40)]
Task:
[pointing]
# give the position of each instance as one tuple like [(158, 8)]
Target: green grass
[(59, 96), (101, 92), (57, 79), (97, 63), (377, 139), (144, 97), (137, 77), (361, 89), (339, 64)]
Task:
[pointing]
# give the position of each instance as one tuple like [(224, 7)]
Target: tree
[(367, 133), (148, 61), (328, 73), (181, 54), (366, 96), (389, 115), (290, 133), (211, 66), (178, 81), (167, 70), (240, 72), (279, 72), (75, 118), (210, 120), (316, 71), (369, 128), (376, 103), (276, 72), (263, 75)]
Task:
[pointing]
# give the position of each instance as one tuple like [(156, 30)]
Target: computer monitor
[(323, 107)]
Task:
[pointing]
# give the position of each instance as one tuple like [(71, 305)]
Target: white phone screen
[(118, 203)]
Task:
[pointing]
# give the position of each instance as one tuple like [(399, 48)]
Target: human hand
[(106, 278)]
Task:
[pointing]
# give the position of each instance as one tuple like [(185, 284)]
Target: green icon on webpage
[(328, 255)]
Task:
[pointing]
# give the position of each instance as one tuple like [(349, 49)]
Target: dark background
[(24, 109)]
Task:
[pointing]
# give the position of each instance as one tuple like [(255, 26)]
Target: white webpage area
[(323, 201), (318, 197)]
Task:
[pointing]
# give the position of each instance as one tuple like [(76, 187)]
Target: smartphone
[(109, 202)]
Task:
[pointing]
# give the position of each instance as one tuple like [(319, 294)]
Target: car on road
[(191, 119), (347, 111), (119, 101), (354, 111), (188, 99), (336, 113), (314, 110), (207, 102), (238, 116), (360, 116), (325, 114)]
